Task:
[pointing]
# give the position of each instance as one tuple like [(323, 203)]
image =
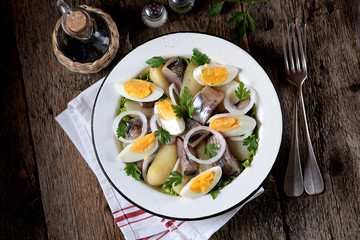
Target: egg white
[(233, 71), (247, 124), (126, 155), (187, 193), (155, 95), (174, 126)]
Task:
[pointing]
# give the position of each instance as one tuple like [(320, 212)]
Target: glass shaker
[(181, 6), (85, 35), (154, 14)]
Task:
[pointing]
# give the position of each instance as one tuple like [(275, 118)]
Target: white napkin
[(133, 222)]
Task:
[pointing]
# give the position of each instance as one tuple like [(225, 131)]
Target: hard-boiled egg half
[(215, 74), (139, 149), (139, 90), (167, 117), (201, 184), (231, 125)]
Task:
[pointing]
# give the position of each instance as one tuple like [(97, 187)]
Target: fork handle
[(313, 181), (293, 184)]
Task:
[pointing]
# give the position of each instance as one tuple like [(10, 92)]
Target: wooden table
[(49, 192)]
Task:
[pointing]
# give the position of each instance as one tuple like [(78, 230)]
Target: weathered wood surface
[(49, 192)]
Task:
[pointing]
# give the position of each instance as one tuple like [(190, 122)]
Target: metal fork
[(296, 72)]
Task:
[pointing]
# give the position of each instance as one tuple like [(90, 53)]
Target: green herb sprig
[(221, 184), (175, 178), (199, 58), (122, 129), (242, 92), (164, 135), (133, 170), (243, 20), (210, 150), (155, 62), (184, 108)]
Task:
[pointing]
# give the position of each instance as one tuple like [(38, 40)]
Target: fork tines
[(295, 43)]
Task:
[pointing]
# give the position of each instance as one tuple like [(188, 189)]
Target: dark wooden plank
[(332, 99), (74, 205), (21, 214)]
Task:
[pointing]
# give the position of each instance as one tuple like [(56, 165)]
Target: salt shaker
[(181, 6), (154, 14)]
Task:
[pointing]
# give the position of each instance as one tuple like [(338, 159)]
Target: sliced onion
[(146, 165), (173, 88), (240, 138), (231, 107), (218, 135), (123, 114), (153, 123), (176, 165)]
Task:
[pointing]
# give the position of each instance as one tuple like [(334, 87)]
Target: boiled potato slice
[(238, 149), (159, 79), (134, 106), (162, 166), (190, 81)]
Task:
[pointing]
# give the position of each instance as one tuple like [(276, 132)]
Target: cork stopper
[(76, 22)]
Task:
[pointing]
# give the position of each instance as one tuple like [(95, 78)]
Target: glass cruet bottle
[(84, 35)]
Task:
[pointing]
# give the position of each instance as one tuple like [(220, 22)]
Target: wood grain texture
[(21, 212), (48, 185)]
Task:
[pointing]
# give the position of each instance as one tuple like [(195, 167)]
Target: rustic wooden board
[(60, 197), (21, 214)]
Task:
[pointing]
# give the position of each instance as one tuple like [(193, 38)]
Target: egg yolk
[(138, 88), (203, 182), (144, 144), (214, 75), (223, 124), (164, 109)]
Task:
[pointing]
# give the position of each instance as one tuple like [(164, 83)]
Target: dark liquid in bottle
[(85, 51)]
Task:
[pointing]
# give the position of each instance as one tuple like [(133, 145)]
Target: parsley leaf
[(242, 20), (133, 170), (164, 135), (179, 111), (155, 62), (221, 184), (209, 150), (175, 178), (215, 193), (184, 108), (215, 9), (251, 142), (122, 129), (198, 58), (241, 92)]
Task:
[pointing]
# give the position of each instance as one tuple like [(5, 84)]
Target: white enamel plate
[(269, 118)]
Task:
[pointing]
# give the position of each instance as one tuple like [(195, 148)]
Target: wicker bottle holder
[(100, 63)]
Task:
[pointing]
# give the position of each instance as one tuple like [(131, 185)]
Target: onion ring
[(231, 108), (240, 138), (176, 165), (146, 165), (173, 88), (219, 154), (117, 120), (154, 123)]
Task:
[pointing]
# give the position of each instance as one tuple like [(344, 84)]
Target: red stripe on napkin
[(136, 221), (122, 209), (129, 215)]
